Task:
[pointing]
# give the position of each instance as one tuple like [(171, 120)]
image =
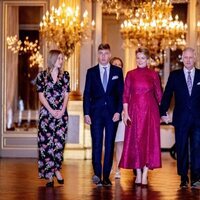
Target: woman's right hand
[(54, 113), (126, 119)]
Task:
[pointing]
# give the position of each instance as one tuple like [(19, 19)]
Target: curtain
[(11, 65)]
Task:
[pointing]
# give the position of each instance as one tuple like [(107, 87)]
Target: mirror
[(21, 99)]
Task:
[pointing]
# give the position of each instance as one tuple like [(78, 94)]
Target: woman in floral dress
[(53, 88)]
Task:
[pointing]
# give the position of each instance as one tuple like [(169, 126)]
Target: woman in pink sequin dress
[(141, 99)]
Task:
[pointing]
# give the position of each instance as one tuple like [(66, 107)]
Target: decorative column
[(86, 47), (198, 46), (191, 21), (97, 10), (198, 34), (130, 59)]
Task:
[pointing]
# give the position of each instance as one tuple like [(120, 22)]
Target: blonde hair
[(143, 50), (51, 60)]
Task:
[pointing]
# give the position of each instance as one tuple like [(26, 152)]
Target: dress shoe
[(117, 175), (144, 183), (59, 178), (60, 181), (138, 184), (184, 184), (99, 184), (50, 184), (95, 179), (138, 179), (195, 184), (107, 182), (144, 179)]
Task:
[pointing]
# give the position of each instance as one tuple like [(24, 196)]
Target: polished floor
[(18, 181)]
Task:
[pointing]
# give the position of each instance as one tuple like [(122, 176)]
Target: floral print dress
[(51, 131)]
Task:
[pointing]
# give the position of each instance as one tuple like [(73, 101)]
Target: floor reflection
[(21, 182)]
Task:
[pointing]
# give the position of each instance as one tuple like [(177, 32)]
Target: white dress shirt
[(101, 69)]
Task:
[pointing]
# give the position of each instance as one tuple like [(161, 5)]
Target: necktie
[(189, 82), (105, 80)]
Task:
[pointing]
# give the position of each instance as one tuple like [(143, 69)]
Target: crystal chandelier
[(62, 26), (26, 47), (152, 26), (119, 7)]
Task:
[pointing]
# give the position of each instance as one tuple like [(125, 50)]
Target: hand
[(126, 119), (53, 113), (87, 120), (60, 113), (165, 118), (116, 117)]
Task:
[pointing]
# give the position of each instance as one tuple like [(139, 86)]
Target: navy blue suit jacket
[(95, 98), (184, 103)]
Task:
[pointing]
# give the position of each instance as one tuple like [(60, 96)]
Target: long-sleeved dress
[(142, 93), (51, 131)]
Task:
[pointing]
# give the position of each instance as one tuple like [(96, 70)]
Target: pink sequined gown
[(143, 94)]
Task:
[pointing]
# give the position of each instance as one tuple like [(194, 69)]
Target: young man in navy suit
[(184, 84), (102, 105)]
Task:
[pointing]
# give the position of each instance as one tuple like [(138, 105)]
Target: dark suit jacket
[(184, 103), (95, 98)]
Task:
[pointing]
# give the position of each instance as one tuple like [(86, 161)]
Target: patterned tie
[(105, 80), (189, 82)]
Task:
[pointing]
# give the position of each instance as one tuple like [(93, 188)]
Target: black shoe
[(184, 184), (99, 184), (107, 182), (172, 152), (61, 181), (50, 184)]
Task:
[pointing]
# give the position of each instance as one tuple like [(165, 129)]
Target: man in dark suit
[(184, 84), (102, 104)]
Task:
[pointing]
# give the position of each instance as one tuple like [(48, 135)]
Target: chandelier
[(152, 26), (119, 7), (62, 26), (26, 47)]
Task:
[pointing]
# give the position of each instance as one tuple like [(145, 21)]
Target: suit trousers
[(187, 139), (103, 123)]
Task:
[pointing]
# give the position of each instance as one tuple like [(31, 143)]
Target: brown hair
[(117, 58), (104, 46), (143, 50), (52, 58)]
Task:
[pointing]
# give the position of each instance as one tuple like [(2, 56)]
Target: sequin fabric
[(143, 94)]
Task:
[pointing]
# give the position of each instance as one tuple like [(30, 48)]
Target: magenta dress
[(142, 93)]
